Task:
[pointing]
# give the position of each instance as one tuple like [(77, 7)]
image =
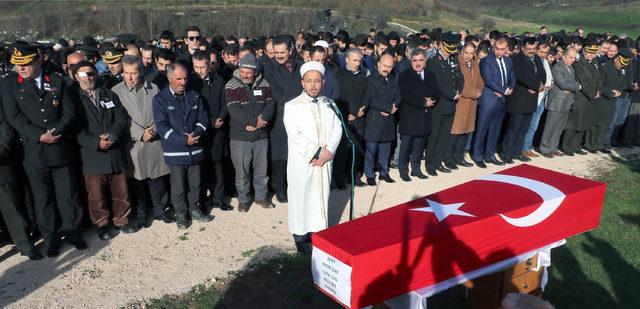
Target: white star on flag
[(442, 211)]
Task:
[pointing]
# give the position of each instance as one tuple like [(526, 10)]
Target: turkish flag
[(446, 234)]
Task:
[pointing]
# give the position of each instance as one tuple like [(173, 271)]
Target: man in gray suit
[(561, 97)]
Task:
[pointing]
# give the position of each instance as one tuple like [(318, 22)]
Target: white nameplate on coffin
[(331, 275)]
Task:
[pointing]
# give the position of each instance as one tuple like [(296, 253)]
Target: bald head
[(72, 60), (385, 65)]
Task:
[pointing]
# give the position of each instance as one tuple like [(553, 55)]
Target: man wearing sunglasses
[(193, 41)]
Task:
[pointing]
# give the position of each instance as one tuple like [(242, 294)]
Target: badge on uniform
[(623, 72), (257, 92), (170, 107), (108, 104), (55, 102), (46, 86)]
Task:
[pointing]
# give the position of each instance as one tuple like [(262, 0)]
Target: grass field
[(598, 269)]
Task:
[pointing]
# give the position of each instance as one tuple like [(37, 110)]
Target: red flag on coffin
[(452, 232)]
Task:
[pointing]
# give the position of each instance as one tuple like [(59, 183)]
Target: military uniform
[(450, 82), (111, 55), (584, 109), (34, 107)]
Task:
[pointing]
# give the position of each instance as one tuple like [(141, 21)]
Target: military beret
[(23, 53), (111, 54), (624, 56)]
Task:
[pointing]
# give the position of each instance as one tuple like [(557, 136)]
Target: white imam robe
[(309, 125)]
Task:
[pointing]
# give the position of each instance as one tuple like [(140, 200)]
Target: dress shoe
[(181, 223), (197, 215), (464, 163), (419, 175), (605, 150), (76, 241), (495, 161), (265, 204), (129, 228), (244, 207), (522, 159), (164, 218), (338, 187), (104, 233), (581, 152), (480, 164), (432, 173), (568, 153), (393, 165), (451, 166), (557, 153), (548, 155), (359, 182), (507, 160), (592, 151), (530, 154), (371, 181), (222, 205), (405, 177), (282, 198), (387, 179), (443, 169), (33, 254)]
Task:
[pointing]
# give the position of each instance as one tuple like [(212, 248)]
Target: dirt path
[(160, 260)]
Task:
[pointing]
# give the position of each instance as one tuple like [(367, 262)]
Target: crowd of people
[(132, 131)]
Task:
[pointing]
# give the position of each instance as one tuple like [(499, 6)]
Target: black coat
[(521, 101), (589, 77), (212, 92), (285, 86), (449, 81), (414, 118), (612, 79), (384, 93), (32, 112), (109, 117), (158, 79), (354, 94), (7, 140)]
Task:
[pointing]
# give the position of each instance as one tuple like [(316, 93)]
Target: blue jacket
[(173, 123), (492, 81)]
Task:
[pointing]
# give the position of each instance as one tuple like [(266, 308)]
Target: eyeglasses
[(194, 38)]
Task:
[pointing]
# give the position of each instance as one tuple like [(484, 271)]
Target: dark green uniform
[(604, 107), (584, 110), (32, 109), (450, 81)]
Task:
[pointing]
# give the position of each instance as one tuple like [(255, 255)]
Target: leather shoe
[(480, 164), (592, 151), (33, 255), (432, 173), (443, 169), (360, 183), (568, 153), (244, 207), (197, 215), (581, 152), (451, 166), (419, 175), (605, 150), (547, 155), (165, 218), (464, 163), (265, 204), (530, 154), (282, 198), (182, 223), (129, 228), (387, 179), (104, 233), (495, 161), (371, 181), (522, 159), (76, 241), (557, 153), (224, 206), (405, 177), (507, 160)]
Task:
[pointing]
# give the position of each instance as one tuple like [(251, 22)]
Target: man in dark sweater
[(353, 104), (250, 107)]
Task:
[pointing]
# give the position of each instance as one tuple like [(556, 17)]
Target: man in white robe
[(314, 131)]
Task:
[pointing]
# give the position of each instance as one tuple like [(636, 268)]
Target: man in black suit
[(418, 91), (39, 108), (211, 87), (158, 76), (530, 79), (101, 128)]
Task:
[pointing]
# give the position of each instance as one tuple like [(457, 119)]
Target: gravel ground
[(160, 259)]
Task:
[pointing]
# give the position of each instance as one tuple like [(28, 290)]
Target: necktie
[(422, 75), (535, 68), (503, 72)]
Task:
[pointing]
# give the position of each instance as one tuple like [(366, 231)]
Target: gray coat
[(564, 79), (145, 159)]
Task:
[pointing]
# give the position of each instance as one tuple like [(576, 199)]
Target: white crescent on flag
[(551, 197)]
